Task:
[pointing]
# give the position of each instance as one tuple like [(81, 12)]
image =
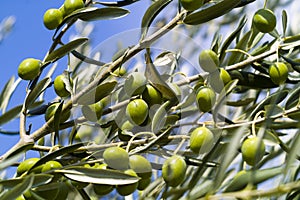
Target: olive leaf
[(293, 99), (7, 91), (104, 14), (39, 179), (211, 12), (117, 3), (65, 49)]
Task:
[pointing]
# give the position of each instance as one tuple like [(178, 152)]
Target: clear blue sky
[(29, 38)]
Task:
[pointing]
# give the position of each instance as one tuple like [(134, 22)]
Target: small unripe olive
[(92, 112), (143, 183), (201, 140), (121, 71), (116, 158), (52, 18), (209, 60), (51, 111), (253, 150), (72, 5), (27, 164), (278, 73), (264, 20), (60, 86), (225, 76), (151, 95), (50, 165), (140, 165), (29, 68), (137, 111), (135, 84), (173, 170), (206, 98), (191, 5), (125, 190)]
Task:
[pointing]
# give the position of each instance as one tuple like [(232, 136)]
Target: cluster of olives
[(53, 17), (136, 165)]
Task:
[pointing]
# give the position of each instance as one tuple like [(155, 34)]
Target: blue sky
[(29, 38)]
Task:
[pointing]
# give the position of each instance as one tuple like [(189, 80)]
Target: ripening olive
[(143, 183), (137, 111), (253, 149), (72, 5), (135, 84), (27, 164), (50, 165), (125, 190), (278, 73), (264, 20), (60, 86), (201, 140), (151, 95), (191, 5), (206, 98), (51, 111), (52, 18), (29, 69), (140, 165), (173, 170), (116, 158), (209, 60)]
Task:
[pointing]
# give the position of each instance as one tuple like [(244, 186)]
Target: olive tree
[(202, 101)]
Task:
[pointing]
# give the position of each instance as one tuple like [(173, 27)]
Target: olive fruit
[(253, 149), (201, 139), (206, 98), (72, 5), (116, 158), (121, 71), (219, 79), (53, 18), (191, 5), (125, 190), (225, 76), (140, 165), (20, 198), (209, 60), (92, 112), (29, 68), (50, 165), (27, 164), (151, 95), (60, 86), (137, 111), (264, 20), (102, 189), (278, 73), (143, 183), (173, 170), (51, 111), (135, 84)]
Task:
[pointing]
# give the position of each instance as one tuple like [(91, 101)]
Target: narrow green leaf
[(242, 44), (98, 93), (150, 15), (284, 22), (18, 190), (241, 181), (293, 99), (159, 117), (57, 121), (293, 153), (7, 91), (118, 3), (63, 50), (39, 179), (98, 176), (11, 114), (104, 14), (241, 102), (211, 12), (37, 90), (21, 149)]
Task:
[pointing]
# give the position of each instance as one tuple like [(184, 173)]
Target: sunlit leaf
[(104, 14), (18, 190), (7, 91)]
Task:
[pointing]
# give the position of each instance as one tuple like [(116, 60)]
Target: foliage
[(250, 103)]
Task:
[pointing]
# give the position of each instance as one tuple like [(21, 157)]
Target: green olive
[(173, 170), (206, 98), (140, 165), (218, 79), (278, 73), (51, 111), (151, 95), (191, 5), (143, 183), (125, 190), (50, 165), (102, 189), (201, 140), (53, 18), (60, 86), (253, 150), (93, 112), (137, 111), (27, 164), (264, 20), (72, 5), (209, 60), (29, 69), (116, 158), (121, 71), (135, 84)]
